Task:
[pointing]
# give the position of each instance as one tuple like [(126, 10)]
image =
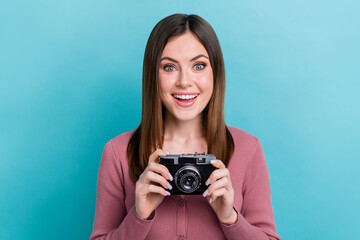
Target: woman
[(183, 112)]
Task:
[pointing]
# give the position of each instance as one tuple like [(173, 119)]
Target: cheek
[(206, 83), (164, 86), (167, 81)]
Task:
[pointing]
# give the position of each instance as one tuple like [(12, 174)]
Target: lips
[(185, 100)]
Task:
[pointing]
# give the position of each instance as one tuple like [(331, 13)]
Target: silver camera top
[(197, 158)]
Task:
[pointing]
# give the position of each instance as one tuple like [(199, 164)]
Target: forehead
[(185, 46)]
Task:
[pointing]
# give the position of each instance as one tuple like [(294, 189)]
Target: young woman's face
[(185, 77)]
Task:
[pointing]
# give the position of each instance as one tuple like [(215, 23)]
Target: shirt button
[(181, 238), (181, 203)]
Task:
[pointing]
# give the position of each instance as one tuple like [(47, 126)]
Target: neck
[(183, 130)]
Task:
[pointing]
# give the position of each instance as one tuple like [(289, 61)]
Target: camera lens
[(187, 179)]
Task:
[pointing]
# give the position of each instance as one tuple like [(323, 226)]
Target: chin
[(186, 116)]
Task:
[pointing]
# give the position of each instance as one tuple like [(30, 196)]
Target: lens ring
[(186, 174)]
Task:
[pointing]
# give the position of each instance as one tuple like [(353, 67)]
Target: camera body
[(190, 172)]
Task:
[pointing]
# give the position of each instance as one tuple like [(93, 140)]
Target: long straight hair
[(150, 133)]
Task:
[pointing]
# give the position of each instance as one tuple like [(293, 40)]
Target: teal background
[(70, 80)]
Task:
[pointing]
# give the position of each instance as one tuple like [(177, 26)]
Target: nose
[(184, 79)]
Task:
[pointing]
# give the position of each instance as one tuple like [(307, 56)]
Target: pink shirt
[(193, 217)]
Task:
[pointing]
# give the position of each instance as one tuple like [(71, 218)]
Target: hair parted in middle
[(150, 134)]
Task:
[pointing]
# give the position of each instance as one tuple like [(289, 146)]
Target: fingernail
[(207, 182), (168, 193), (205, 193), (170, 177), (169, 186), (166, 152), (212, 161), (210, 200)]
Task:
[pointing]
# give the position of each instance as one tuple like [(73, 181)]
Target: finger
[(156, 189), (152, 177), (155, 155), (217, 174), (161, 169), (218, 163), (221, 183), (222, 192)]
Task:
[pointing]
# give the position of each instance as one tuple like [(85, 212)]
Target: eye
[(169, 68), (199, 66)]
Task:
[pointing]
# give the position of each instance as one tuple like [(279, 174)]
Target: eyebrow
[(193, 59)]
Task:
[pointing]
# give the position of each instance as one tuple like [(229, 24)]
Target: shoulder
[(122, 139), (118, 144), (114, 160), (243, 139), (245, 146)]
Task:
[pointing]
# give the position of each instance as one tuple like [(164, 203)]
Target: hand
[(220, 193), (148, 193)]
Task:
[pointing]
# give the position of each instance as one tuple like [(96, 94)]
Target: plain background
[(70, 75)]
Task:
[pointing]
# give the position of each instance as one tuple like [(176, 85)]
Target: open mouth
[(185, 97), (185, 100)]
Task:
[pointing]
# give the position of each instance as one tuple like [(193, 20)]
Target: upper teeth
[(185, 96)]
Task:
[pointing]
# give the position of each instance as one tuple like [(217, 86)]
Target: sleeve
[(255, 218), (112, 221)]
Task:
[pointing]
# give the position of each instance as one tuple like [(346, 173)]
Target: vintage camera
[(190, 172)]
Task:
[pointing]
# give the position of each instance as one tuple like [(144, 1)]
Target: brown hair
[(150, 134)]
